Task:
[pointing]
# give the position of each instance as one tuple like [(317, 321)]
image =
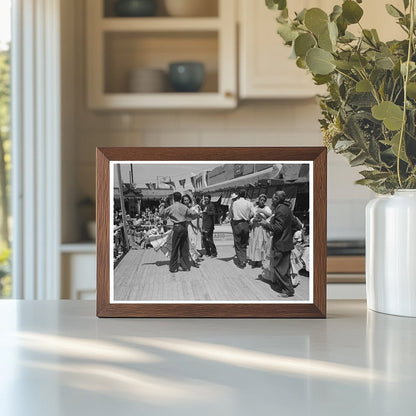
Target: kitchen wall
[(253, 123)]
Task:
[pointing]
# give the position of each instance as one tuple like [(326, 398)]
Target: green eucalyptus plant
[(369, 112)]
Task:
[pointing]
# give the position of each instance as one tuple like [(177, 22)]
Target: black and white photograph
[(211, 232)]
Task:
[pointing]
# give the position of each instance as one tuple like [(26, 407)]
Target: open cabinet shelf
[(117, 46), (160, 24)]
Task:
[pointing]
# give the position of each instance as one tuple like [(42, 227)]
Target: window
[(5, 147)]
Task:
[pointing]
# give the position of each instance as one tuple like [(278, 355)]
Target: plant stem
[(406, 79), (346, 75), (373, 88)]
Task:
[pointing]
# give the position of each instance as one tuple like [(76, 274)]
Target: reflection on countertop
[(355, 362)]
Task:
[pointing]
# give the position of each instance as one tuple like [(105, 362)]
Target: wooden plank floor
[(143, 275)]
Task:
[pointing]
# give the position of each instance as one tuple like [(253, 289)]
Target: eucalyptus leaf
[(351, 11), (393, 11), (301, 15), (384, 62), (377, 75), (388, 112), (347, 37), (276, 4), (316, 20), (375, 35), (405, 21), (345, 65), (281, 19), (374, 150), (325, 42), (333, 32), (369, 36), (365, 182), (358, 160), (301, 63), (353, 131), (320, 61), (303, 43), (411, 119), (382, 89), (287, 33), (343, 145), (363, 86), (411, 90), (358, 61), (394, 143), (412, 67), (282, 4), (321, 79), (336, 12), (385, 50), (374, 174), (342, 25)]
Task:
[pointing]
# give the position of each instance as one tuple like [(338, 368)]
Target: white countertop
[(57, 358)]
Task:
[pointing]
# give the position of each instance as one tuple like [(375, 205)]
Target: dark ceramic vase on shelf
[(135, 8), (186, 76)]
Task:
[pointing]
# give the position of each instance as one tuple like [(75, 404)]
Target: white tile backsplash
[(257, 123), (346, 219)]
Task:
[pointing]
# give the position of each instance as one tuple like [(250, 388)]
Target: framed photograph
[(211, 232)]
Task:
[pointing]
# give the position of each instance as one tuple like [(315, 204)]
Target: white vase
[(391, 253)]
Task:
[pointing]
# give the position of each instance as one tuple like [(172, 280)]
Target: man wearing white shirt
[(242, 212)]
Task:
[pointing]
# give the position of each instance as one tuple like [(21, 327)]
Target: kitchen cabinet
[(265, 70), (118, 45), (78, 280)]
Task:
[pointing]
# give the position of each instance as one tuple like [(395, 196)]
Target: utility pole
[(123, 208), (131, 174)]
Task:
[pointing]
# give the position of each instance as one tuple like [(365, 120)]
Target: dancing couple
[(182, 213)]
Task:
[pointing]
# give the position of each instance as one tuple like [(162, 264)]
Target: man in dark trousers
[(179, 214), (241, 213), (282, 225), (208, 223)]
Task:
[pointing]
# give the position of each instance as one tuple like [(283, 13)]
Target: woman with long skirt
[(260, 238), (194, 230)]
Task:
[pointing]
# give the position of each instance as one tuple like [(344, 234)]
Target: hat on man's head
[(234, 195)]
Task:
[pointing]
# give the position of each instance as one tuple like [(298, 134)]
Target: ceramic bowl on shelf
[(191, 8), (147, 80), (135, 8), (186, 76)]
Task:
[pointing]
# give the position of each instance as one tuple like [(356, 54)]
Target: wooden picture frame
[(314, 157)]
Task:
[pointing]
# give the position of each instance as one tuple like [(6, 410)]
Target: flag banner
[(165, 179), (171, 184), (151, 186)]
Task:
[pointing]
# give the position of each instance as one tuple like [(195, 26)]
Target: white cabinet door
[(265, 68), (78, 276)]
